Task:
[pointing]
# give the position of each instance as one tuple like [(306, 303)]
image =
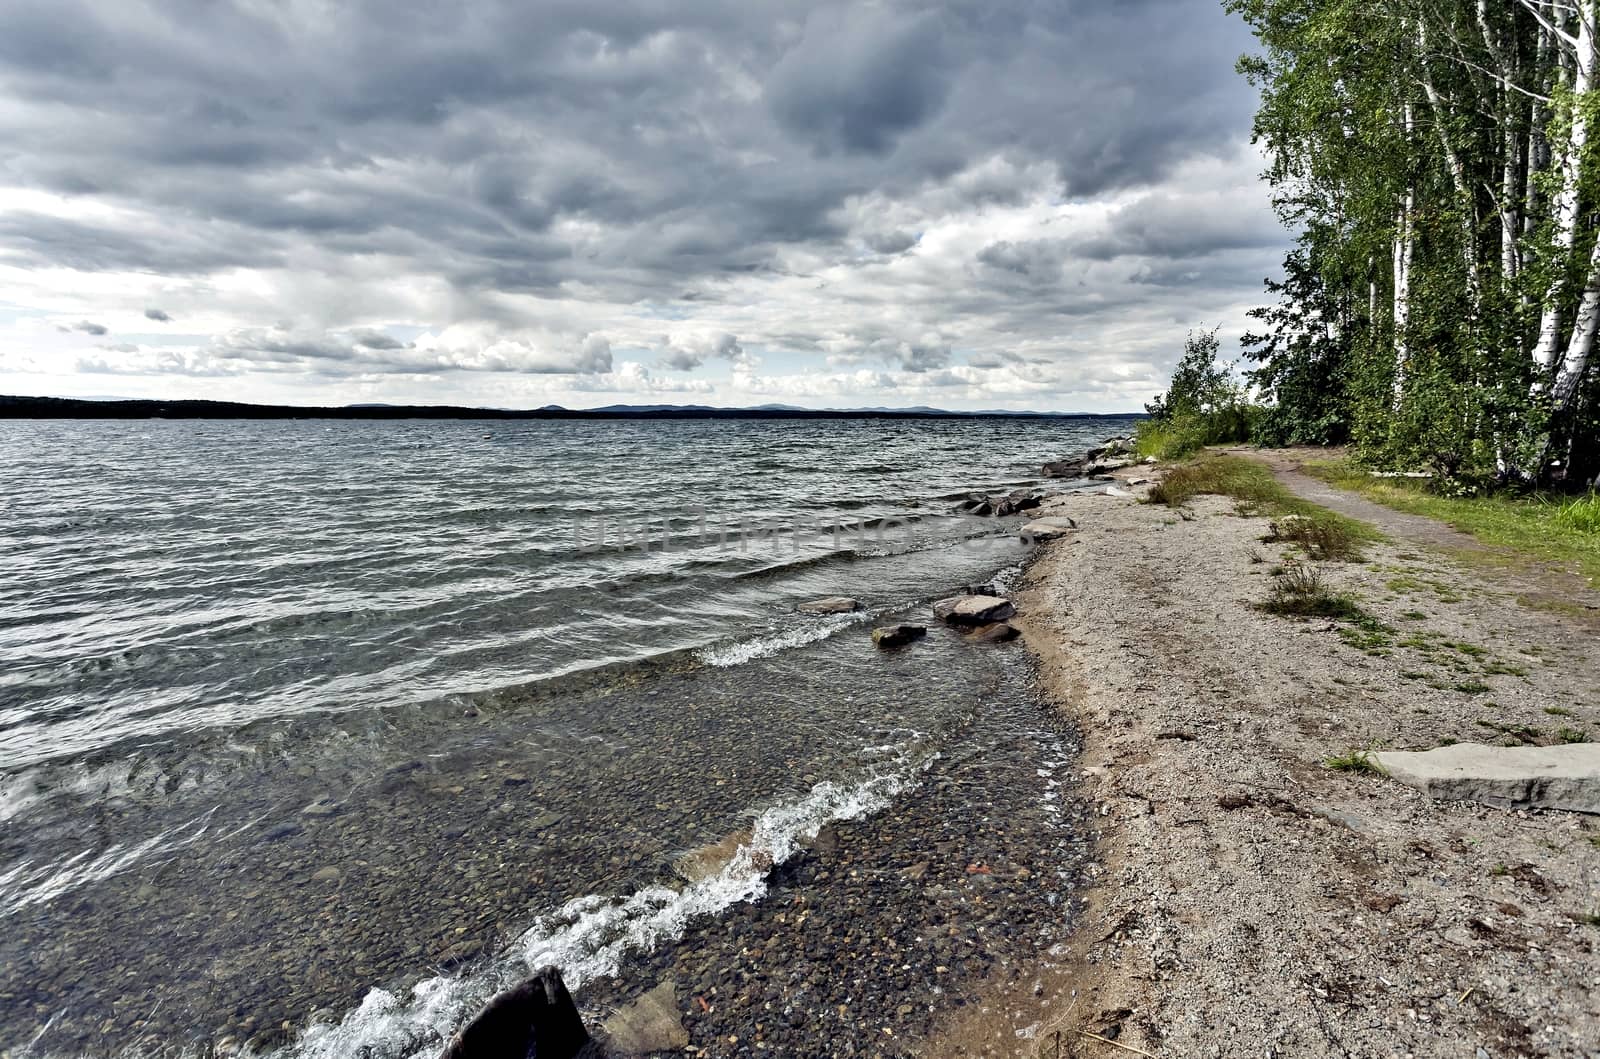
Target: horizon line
[(20, 406)]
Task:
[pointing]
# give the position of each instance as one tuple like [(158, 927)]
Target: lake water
[(312, 734)]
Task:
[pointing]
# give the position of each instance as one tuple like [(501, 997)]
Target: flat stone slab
[(830, 605), (973, 610), (1546, 777)]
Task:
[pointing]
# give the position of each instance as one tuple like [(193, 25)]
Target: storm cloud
[(1001, 203)]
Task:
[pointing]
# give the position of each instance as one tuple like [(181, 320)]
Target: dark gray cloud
[(861, 76), (89, 327), (493, 168), (737, 123)]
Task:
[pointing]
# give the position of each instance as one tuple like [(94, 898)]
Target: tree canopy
[(1434, 158)]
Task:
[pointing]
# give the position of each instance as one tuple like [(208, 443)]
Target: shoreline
[(1247, 898)]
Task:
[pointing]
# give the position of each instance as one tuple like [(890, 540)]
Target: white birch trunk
[(1509, 226), (1565, 210), (1576, 361), (1404, 244)]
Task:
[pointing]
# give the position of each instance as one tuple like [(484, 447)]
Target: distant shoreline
[(75, 408)]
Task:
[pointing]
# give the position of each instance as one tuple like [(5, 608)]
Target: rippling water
[(250, 673)]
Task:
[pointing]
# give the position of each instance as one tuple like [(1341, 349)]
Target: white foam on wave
[(725, 655), (589, 937)]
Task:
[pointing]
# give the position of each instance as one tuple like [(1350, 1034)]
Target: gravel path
[(1254, 902)]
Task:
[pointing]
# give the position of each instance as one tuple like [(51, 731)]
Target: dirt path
[(1538, 584), (1254, 902)]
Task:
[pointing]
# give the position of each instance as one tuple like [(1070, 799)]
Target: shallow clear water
[(289, 711)]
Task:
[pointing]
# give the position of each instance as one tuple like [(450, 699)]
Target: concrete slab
[(1549, 777)]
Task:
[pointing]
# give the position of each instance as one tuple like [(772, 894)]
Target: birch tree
[(1435, 159)]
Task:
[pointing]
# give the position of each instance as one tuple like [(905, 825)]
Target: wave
[(738, 652), (590, 937)]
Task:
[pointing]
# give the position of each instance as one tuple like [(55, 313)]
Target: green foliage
[(1299, 591), (1581, 514), (1389, 139), (1205, 405), (1323, 539), (1200, 385), (1304, 360)]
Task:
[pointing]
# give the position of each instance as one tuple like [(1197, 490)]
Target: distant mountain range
[(116, 408)]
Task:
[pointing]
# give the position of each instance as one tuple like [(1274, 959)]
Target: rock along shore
[(1249, 900)]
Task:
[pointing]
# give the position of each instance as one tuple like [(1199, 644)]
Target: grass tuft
[(1571, 735), (1300, 591), (1322, 539), (1355, 761)]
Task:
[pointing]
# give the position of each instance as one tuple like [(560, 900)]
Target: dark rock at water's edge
[(1072, 467), (1013, 503), (897, 635), (1104, 466), (1046, 529), (535, 1020), (1112, 447), (1109, 455), (1017, 502)]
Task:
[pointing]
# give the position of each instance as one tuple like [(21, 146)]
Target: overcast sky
[(992, 204)]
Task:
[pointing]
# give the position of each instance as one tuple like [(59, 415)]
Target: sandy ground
[(1252, 902)]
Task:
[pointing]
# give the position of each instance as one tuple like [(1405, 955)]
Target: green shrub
[(1207, 404)]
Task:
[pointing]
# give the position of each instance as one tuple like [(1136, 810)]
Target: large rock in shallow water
[(973, 610), (897, 635), (1111, 447), (536, 1018), (1549, 777), (1018, 501), (830, 605)]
